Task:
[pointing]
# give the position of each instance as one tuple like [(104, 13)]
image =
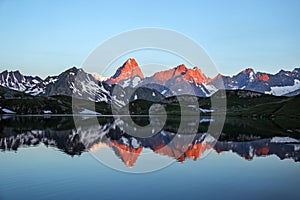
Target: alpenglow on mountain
[(175, 81)]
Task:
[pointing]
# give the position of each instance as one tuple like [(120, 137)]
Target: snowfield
[(7, 111), (206, 110), (284, 140), (279, 91), (89, 112)]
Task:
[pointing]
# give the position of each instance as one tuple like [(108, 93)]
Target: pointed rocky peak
[(130, 64), (17, 72), (17, 81), (296, 70), (72, 69), (126, 153), (5, 71), (195, 75), (243, 73), (70, 73), (181, 69), (196, 150), (247, 75), (248, 70), (128, 70), (77, 83), (282, 72), (289, 73), (11, 73)]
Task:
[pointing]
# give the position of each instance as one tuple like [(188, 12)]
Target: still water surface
[(48, 158)]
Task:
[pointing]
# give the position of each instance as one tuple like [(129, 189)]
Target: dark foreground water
[(53, 158)]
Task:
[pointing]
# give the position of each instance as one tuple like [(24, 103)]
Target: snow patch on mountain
[(279, 91), (206, 120), (164, 92), (284, 140), (136, 80), (251, 76), (35, 91), (89, 112), (47, 111), (7, 111), (206, 110)]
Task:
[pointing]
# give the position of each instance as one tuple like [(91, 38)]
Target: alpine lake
[(65, 156)]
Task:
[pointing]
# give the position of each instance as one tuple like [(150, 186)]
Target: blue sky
[(47, 37)]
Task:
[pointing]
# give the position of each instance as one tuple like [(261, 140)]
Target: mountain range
[(179, 80)]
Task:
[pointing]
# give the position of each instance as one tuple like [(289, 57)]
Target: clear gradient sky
[(47, 37)]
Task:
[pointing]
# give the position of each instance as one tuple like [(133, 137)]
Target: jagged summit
[(178, 80), (180, 73), (130, 69), (163, 76), (195, 75), (16, 81), (248, 70)]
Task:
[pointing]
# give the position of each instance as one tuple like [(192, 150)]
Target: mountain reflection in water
[(60, 132)]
